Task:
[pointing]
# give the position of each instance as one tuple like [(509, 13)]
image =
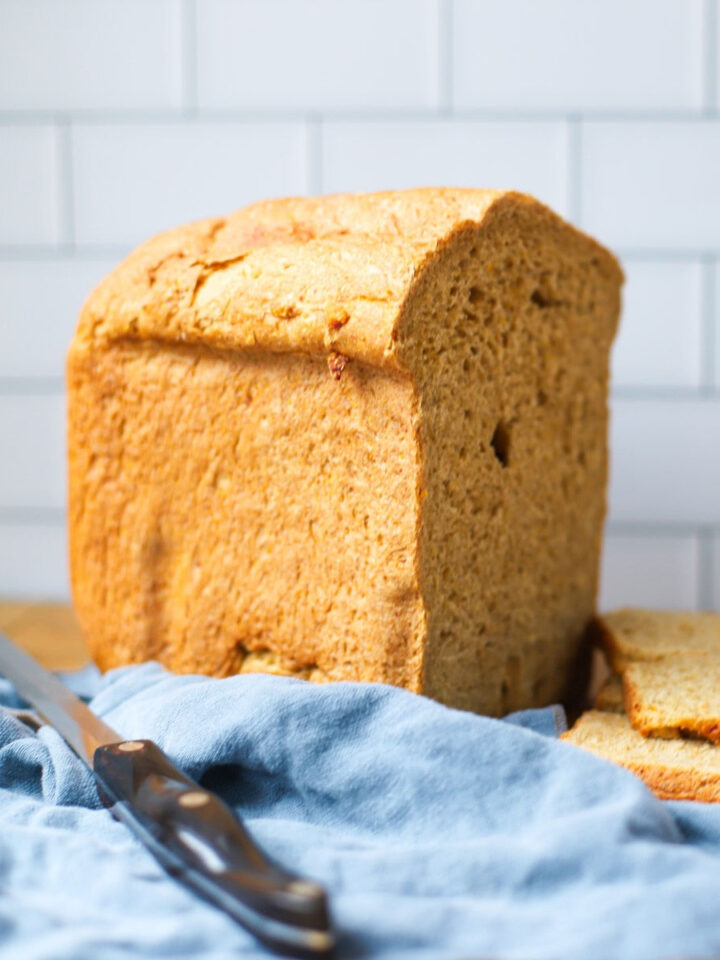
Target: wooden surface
[(48, 631)]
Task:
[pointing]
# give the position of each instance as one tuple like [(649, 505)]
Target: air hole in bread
[(540, 299), (475, 295), (500, 443)]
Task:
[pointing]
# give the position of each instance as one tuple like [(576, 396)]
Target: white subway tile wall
[(133, 180), (394, 154), (665, 462), (30, 184), (577, 56), (652, 185), (661, 338), (650, 570), (32, 440), (118, 121), (85, 55), (33, 561), (40, 302), (318, 55)]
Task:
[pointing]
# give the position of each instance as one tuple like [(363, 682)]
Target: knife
[(194, 835)]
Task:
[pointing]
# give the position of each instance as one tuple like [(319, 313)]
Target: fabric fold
[(438, 833)]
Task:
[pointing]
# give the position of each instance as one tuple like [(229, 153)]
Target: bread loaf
[(352, 437)]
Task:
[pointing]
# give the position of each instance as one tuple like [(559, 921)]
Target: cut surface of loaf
[(355, 437), (677, 695), (673, 769), (636, 634)]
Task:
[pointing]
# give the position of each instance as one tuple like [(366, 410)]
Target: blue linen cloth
[(439, 834)]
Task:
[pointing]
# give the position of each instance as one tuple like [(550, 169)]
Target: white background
[(119, 118)]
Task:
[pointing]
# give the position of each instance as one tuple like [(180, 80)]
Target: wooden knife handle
[(199, 840)]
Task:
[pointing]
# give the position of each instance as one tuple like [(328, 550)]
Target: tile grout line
[(66, 186), (351, 115), (705, 559), (31, 386), (661, 529), (62, 251), (707, 359), (665, 255), (445, 58), (32, 516), (189, 60), (313, 155), (637, 394), (574, 168), (709, 57)]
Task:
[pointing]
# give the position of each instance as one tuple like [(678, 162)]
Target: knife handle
[(199, 840)]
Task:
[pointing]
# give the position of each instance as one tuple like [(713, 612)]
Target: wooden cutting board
[(48, 631)]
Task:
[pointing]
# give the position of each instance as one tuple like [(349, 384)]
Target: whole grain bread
[(678, 695), (636, 634), (610, 696), (673, 769), (353, 437)]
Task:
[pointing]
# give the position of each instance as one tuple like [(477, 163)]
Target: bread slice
[(610, 696), (677, 695), (673, 769), (635, 634), (353, 437)]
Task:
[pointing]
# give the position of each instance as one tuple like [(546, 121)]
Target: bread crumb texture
[(610, 696), (675, 696), (633, 634), (659, 716), (673, 769), (669, 663), (353, 437)]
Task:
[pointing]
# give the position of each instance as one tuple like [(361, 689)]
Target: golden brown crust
[(675, 696), (301, 438), (641, 716), (673, 769), (308, 275), (225, 536), (669, 784)]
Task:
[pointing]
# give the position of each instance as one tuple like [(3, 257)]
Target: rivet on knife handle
[(197, 838), (188, 829)]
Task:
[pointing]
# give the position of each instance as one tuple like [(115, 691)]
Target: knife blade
[(194, 835)]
